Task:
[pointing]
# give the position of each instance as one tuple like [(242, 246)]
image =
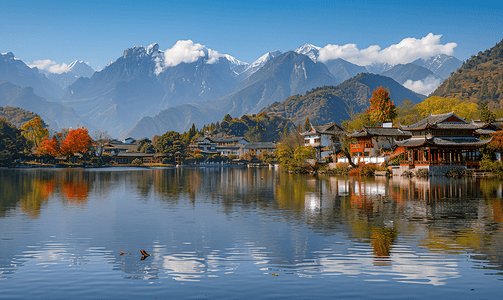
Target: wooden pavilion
[(441, 140)]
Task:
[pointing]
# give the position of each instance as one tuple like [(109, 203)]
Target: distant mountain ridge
[(441, 65), (257, 64), (17, 72), (434, 69), (131, 87), (77, 69), (56, 115), (280, 77), (336, 103), (140, 84), (403, 72)]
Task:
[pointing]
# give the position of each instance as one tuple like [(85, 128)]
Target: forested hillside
[(338, 103), (256, 128), (480, 79), (17, 116)]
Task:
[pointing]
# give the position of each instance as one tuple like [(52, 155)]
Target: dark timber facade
[(441, 140)]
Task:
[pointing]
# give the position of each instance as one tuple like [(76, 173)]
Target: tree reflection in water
[(440, 215)]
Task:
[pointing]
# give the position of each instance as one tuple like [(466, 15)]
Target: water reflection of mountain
[(204, 221)]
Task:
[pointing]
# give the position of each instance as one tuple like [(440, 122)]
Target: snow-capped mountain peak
[(234, 61), (237, 66), (258, 64), (152, 48), (81, 69), (265, 58), (309, 50), (140, 51)]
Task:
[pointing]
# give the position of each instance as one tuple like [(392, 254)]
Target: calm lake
[(246, 233)]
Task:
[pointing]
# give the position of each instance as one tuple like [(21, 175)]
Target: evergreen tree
[(307, 125), (486, 115), (227, 118)]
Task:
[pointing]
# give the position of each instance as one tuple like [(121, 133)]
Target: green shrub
[(423, 173), (95, 161), (395, 161), (459, 173), (137, 162), (5, 158), (408, 174), (105, 158), (341, 169)]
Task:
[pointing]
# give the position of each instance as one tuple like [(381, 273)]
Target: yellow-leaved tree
[(440, 105), (35, 131)]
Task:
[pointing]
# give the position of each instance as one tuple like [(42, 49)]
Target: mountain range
[(137, 95), (76, 68), (337, 103), (17, 72), (56, 115)]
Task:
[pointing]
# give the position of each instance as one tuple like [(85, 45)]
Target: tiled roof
[(458, 141), (438, 121), (413, 142), (227, 139), (234, 147), (330, 128), (485, 131), (259, 145), (220, 139), (123, 147), (380, 131), (136, 154), (444, 141)]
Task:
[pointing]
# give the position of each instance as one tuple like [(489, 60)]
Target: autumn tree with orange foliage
[(49, 147), (381, 108), (78, 140), (496, 144)]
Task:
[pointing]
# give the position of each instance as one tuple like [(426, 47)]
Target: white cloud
[(185, 52), (425, 87), (408, 50), (50, 66)]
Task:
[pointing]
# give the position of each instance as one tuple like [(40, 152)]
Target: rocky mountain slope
[(17, 72), (279, 78), (56, 115), (76, 68), (336, 103), (479, 79), (133, 87)]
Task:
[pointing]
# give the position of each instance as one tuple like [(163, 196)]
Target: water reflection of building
[(311, 225), (434, 188)]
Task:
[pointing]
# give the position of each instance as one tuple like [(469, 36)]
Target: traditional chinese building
[(439, 143), (371, 141), (219, 145), (324, 138)]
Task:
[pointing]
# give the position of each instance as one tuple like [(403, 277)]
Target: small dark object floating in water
[(145, 254)]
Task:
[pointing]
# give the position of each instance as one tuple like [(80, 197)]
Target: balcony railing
[(442, 162)]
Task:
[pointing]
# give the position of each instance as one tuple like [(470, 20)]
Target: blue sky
[(99, 31)]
